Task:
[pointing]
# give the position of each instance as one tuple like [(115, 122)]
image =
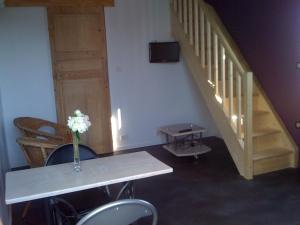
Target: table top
[(181, 129), (42, 182)]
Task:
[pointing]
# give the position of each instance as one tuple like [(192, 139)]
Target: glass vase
[(76, 153)]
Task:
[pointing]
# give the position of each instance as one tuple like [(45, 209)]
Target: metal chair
[(123, 212), (62, 210), (64, 154)]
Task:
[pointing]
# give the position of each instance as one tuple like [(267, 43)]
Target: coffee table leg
[(175, 143)]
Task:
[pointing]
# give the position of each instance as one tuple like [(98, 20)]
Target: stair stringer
[(222, 123)]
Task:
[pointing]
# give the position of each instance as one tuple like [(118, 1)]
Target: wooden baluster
[(223, 74), (216, 62), (239, 105), (248, 136), (185, 16), (175, 5), (180, 11), (202, 37), (191, 22), (230, 89), (196, 23), (208, 39)]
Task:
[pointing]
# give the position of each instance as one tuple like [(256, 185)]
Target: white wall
[(5, 218), (25, 71), (149, 95)]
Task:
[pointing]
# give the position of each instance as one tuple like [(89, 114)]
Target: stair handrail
[(227, 40)]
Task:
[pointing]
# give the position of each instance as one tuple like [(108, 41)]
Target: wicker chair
[(36, 150), (37, 143), (35, 128)]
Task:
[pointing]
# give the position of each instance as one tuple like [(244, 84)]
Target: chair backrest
[(123, 212), (36, 150), (64, 154), (35, 127)]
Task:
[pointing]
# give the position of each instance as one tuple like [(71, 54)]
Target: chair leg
[(107, 191), (48, 211), (25, 210)]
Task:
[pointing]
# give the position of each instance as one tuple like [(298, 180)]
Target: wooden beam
[(49, 3)]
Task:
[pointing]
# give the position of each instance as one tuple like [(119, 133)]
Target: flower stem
[(76, 139)]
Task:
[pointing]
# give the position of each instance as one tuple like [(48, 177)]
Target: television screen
[(161, 52)]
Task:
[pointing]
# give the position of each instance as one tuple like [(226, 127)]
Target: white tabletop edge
[(13, 200), (86, 187)]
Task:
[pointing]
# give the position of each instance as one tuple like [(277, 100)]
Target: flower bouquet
[(79, 124)]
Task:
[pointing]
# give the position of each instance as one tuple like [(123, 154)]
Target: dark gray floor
[(210, 191)]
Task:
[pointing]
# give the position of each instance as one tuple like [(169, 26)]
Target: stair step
[(269, 153), (265, 131), (261, 119), (272, 160), (260, 112)]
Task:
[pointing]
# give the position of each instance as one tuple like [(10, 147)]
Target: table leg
[(131, 193), (175, 143), (193, 140), (127, 188)]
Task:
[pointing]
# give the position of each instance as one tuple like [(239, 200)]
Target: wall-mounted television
[(163, 52)]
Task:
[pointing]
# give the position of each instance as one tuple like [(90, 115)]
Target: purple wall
[(268, 34)]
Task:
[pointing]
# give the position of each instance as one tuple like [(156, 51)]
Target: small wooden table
[(184, 139), (44, 182)]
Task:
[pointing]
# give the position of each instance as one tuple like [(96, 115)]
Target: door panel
[(81, 65), (80, 70), (78, 33)]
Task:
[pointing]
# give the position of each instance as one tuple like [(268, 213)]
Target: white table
[(182, 139), (43, 182)]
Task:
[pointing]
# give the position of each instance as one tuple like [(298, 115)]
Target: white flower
[(77, 112), (79, 122)]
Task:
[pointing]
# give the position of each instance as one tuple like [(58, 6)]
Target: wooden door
[(79, 59)]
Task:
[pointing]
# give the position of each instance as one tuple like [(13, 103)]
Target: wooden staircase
[(255, 136)]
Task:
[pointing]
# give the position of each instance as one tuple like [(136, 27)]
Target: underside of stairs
[(254, 134)]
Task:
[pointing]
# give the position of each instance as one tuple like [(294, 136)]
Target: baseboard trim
[(20, 168), (142, 145)]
